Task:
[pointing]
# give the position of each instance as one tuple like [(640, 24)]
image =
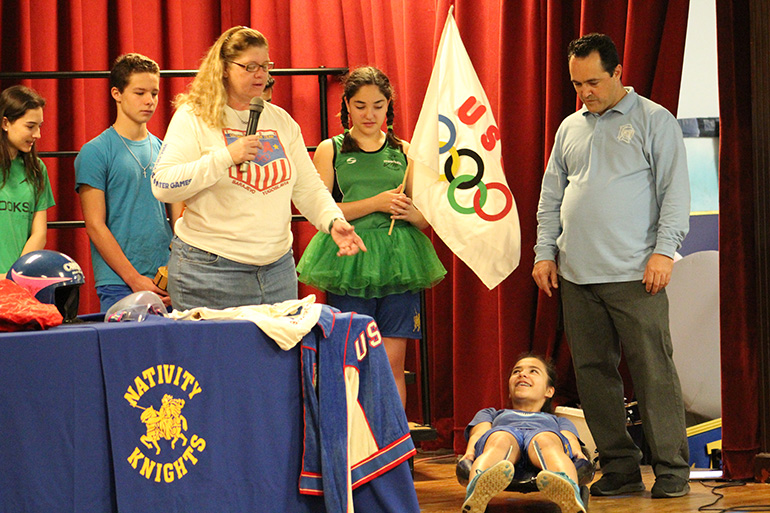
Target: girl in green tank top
[(366, 169)]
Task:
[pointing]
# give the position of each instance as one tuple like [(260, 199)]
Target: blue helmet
[(51, 277)]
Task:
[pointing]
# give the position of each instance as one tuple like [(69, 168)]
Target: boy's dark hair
[(128, 64), (550, 370), (270, 83), (586, 45)]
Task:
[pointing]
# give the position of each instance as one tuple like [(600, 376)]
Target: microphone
[(256, 105)]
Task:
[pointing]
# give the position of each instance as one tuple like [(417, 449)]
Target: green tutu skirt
[(404, 261)]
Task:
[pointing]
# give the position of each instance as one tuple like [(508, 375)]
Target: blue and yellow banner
[(186, 405)]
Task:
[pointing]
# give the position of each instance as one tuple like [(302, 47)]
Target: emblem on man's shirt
[(626, 133), (351, 160), (270, 170)]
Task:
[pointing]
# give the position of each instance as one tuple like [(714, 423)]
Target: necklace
[(144, 168), (244, 121)]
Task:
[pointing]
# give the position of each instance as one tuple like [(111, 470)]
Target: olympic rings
[(452, 134), (457, 183), (480, 198), (454, 157), (449, 166), (466, 181)]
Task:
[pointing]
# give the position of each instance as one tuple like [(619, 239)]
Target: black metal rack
[(321, 72), (419, 432)]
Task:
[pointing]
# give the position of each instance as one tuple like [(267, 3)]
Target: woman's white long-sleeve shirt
[(242, 216)]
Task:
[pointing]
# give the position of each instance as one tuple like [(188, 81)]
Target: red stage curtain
[(518, 50), (737, 245)]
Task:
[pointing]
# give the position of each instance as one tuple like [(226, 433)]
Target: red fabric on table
[(20, 311)]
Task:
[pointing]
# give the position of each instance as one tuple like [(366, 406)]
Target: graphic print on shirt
[(626, 133), (270, 170)]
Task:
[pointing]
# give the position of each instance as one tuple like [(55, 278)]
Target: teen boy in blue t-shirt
[(127, 225)]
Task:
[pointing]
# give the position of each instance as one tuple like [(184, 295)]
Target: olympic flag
[(458, 182)]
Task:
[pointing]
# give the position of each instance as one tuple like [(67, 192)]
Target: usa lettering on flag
[(459, 184)]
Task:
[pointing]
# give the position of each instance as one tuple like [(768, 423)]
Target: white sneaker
[(487, 484)]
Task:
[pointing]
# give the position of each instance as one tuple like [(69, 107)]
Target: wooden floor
[(438, 491)]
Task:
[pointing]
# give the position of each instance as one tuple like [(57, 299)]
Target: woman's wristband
[(331, 224)]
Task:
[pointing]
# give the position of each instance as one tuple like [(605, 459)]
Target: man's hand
[(346, 238), (657, 273), (545, 276)]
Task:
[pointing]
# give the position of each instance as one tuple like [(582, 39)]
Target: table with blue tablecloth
[(173, 416)]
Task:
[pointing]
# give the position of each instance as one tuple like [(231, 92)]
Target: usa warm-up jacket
[(355, 426)]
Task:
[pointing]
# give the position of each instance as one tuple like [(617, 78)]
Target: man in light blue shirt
[(614, 208)]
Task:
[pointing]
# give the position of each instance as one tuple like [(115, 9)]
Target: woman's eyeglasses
[(253, 66)]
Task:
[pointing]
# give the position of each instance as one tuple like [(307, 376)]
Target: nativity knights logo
[(166, 450)]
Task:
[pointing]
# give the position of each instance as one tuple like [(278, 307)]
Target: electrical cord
[(751, 508)]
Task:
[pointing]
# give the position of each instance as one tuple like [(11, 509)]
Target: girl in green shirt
[(25, 192)]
